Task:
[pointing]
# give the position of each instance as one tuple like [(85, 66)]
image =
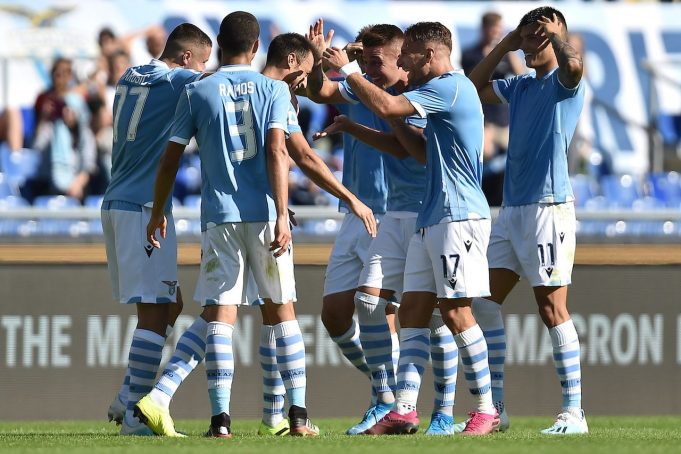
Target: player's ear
[(291, 60), (430, 53), (256, 46), (186, 57)]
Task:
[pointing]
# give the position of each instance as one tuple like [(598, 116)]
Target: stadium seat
[(582, 188), (669, 127), (620, 190), (6, 189), (60, 227), (666, 187), (94, 201), (192, 201), (11, 227)]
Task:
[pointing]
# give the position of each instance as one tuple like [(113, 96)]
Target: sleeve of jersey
[(281, 103), (183, 125), (504, 88), (292, 123), (564, 92), (430, 98), (416, 121), (346, 92)]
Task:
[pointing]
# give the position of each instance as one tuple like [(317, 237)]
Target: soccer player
[(383, 274), (446, 256), (239, 118), (364, 175), (534, 236), (143, 115)]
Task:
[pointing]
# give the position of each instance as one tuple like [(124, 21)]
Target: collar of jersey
[(155, 62), (232, 68), (547, 75)]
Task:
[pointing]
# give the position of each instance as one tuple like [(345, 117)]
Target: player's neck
[(543, 70), (240, 59), (273, 72)]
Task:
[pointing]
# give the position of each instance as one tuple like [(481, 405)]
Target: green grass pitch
[(608, 435)]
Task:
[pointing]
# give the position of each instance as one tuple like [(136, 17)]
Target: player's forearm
[(412, 139), (482, 73), (165, 177), (277, 169), (570, 65), (376, 99), (313, 166), (381, 141)]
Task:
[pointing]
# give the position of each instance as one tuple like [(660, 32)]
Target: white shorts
[(384, 267), (536, 242), (230, 252), (449, 260), (348, 256), (139, 272)]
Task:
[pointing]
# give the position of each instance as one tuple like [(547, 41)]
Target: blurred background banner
[(624, 43), (64, 346)]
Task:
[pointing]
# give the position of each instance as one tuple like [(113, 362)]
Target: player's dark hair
[(490, 19), (543, 11), (184, 36), (362, 31), (381, 34), (238, 32), (285, 44), (430, 31)]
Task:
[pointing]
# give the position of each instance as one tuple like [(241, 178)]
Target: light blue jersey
[(144, 107), (292, 121), (544, 116), (453, 149), (405, 178), (230, 114), (363, 166)]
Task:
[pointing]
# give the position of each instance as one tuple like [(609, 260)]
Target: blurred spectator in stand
[(496, 115), (63, 138), (11, 130)]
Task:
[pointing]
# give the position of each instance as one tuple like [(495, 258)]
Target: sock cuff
[(350, 334), (286, 329), (563, 334), (169, 330), (410, 333), (469, 336), (198, 326), (149, 336), (267, 335), (438, 327), (369, 299), (220, 329)]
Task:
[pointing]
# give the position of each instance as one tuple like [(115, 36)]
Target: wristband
[(350, 68)]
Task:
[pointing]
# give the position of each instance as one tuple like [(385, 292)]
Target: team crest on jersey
[(172, 286)]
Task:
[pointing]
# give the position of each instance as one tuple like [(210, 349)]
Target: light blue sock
[(473, 352), (219, 366), (445, 358), (488, 315), (291, 360), (567, 361), (377, 344), (351, 347), (273, 390), (414, 354), (143, 362)]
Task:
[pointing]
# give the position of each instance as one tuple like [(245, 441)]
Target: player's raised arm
[(570, 65), (379, 101), (315, 169), (482, 73), (319, 88)]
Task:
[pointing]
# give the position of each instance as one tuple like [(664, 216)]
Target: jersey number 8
[(241, 131)]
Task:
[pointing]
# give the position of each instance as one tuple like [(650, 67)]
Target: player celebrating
[(143, 112), (446, 257), (239, 120), (534, 236)]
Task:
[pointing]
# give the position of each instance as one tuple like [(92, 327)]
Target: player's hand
[(335, 58), (282, 237), (340, 124), (550, 26), (319, 42), (365, 214), (512, 41), (354, 50), (156, 222)]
